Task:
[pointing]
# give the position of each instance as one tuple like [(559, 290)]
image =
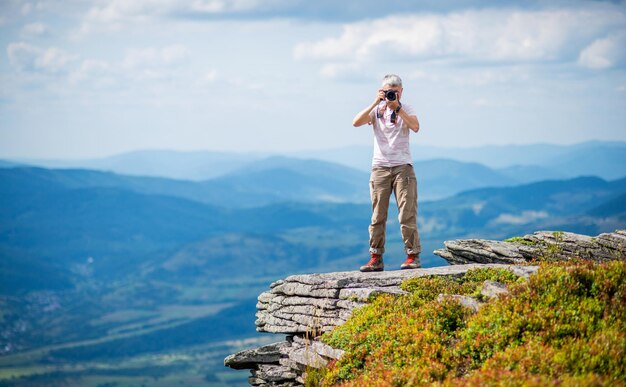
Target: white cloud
[(523, 218), (136, 65), (210, 76), (341, 70), (154, 57), (26, 57), (481, 102), (29, 7), (115, 14), (34, 29), (220, 6), (501, 35), (97, 71), (605, 52)]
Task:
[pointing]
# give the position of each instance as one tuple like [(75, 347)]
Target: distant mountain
[(79, 223), (191, 165), (68, 218), (531, 173), (605, 159), (611, 207), (441, 178), (98, 267), (544, 155), (29, 180), (268, 181), (108, 228), (513, 210), (9, 164), (279, 179)]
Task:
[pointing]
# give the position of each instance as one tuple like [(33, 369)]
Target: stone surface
[(546, 244), (274, 373), (466, 301), (326, 350), (304, 306), (493, 289), (248, 359), (317, 303)]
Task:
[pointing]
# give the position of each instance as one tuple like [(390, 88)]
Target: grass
[(521, 241), (566, 325)]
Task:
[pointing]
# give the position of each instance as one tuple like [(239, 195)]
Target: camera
[(391, 95)]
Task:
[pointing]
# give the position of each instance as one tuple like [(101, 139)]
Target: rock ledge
[(553, 245), (305, 306)]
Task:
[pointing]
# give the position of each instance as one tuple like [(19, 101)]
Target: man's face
[(398, 89)]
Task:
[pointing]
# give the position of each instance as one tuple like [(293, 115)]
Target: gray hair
[(392, 80)]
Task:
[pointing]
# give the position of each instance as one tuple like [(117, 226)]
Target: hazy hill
[(548, 204), (532, 173), (124, 260), (68, 219), (83, 222), (268, 181), (605, 159), (278, 179), (442, 178), (190, 165), (600, 158)]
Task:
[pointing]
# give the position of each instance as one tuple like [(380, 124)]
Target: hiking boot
[(412, 262), (375, 264)]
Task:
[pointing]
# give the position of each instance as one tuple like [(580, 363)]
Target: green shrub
[(521, 241), (566, 325)]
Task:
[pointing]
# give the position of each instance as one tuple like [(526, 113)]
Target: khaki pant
[(402, 182)]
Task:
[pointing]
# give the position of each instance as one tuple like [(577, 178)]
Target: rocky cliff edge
[(304, 306)]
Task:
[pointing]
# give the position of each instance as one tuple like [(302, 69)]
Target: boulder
[(493, 289), (469, 302), (250, 358), (552, 245)]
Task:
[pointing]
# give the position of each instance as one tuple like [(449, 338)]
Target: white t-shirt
[(391, 141)]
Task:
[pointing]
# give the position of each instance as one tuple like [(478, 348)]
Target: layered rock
[(552, 245), (316, 303), (305, 306)]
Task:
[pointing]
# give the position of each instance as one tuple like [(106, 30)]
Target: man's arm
[(410, 120), (363, 117)]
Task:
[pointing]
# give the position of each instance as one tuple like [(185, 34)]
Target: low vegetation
[(566, 325), (521, 241)]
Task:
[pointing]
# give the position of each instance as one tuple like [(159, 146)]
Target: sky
[(84, 79)]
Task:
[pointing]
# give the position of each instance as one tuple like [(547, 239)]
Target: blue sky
[(94, 78)]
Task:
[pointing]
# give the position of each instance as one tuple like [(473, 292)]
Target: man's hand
[(393, 104), (363, 117), (380, 96)]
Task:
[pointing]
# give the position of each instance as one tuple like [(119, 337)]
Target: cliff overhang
[(303, 307)]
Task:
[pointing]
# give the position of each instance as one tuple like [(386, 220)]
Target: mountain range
[(605, 159), (99, 266), (340, 175), (54, 221), (522, 163)]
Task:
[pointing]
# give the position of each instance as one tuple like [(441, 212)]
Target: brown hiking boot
[(375, 264), (412, 262)]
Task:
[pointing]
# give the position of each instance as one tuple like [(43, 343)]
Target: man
[(392, 171)]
